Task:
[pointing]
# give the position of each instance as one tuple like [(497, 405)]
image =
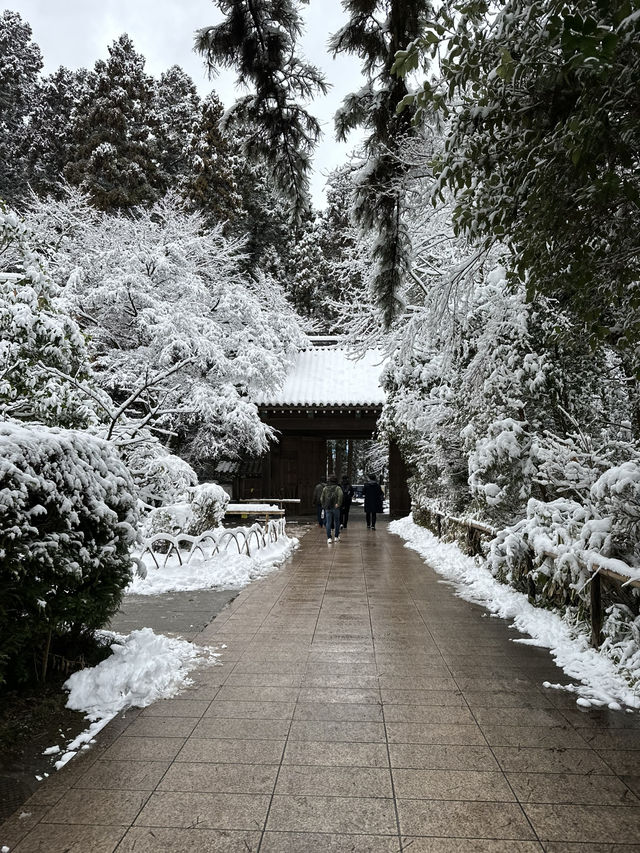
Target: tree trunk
[(339, 458), (350, 459)]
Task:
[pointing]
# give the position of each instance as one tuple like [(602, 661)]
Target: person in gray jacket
[(332, 498)]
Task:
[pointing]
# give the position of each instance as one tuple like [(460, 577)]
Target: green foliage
[(542, 98), (67, 520), (258, 38), (375, 32)]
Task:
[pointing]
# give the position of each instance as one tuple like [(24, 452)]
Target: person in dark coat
[(317, 499), (347, 497), (372, 500)]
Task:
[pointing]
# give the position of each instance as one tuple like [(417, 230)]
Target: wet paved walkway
[(360, 707)]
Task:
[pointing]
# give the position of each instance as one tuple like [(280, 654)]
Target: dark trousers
[(371, 519), (319, 511), (332, 521), (344, 514)]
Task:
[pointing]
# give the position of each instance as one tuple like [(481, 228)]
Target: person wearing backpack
[(332, 498), (348, 492), (317, 500)]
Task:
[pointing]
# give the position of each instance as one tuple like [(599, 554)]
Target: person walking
[(347, 497), (332, 501), (317, 499), (372, 501)]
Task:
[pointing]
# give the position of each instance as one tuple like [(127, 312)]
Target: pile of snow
[(143, 668), (228, 570), (601, 682)]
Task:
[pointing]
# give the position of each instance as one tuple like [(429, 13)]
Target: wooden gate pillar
[(266, 474), (399, 499)]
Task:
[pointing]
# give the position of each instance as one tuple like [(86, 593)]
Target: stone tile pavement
[(360, 706)]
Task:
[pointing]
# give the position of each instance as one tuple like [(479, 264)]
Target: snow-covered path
[(360, 705)]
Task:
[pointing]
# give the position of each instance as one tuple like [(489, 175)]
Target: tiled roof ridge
[(331, 376)]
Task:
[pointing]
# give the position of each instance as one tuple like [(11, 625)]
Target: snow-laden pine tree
[(20, 64), (375, 31), (328, 262), (114, 158), (208, 183), (48, 144), (263, 219), (258, 39), (175, 115)]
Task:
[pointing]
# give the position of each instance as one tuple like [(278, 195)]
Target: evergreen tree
[(376, 30), (306, 277), (258, 38), (20, 64), (209, 183), (327, 262), (176, 108), (114, 158), (263, 218), (47, 149)]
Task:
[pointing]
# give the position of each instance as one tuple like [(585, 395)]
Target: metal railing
[(239, 540)]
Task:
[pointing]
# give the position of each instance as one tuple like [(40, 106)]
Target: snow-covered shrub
[(520, 554), (202, 509), (621, 636), (500, 466), (67, 520), (208, 505), (161, 477), (616, 497)]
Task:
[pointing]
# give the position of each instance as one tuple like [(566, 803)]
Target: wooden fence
[(599, 567)]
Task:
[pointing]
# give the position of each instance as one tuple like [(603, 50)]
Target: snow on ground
[(226, 570), (143, 668), (600, 682)]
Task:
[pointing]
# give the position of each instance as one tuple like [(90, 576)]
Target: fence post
[(531, 584), (596, 610)]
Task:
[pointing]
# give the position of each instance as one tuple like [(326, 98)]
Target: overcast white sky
[(76, 33)]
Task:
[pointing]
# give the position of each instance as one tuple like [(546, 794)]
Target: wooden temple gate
[(327, 396)]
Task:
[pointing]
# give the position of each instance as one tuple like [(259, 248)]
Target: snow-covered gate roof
[(329, 376)]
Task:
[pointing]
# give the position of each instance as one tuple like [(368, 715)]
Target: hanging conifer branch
[(375, 31), (258, 39)]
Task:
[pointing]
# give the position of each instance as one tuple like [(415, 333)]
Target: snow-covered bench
[(244, 510), (283, 503)]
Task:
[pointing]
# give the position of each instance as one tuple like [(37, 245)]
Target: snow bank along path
[(145, 666), (600, 681)]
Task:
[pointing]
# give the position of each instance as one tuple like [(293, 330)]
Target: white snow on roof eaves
[(330, 377)]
